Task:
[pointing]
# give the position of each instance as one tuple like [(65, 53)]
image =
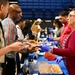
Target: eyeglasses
[(70, 15), (18, 11)]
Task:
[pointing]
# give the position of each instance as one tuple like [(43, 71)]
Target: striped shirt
[(10, 34)]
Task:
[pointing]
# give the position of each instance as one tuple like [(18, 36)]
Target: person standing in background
[(39, 27), (66, 29), (20, 25), (27, 30), (36, 29), (58, 25)]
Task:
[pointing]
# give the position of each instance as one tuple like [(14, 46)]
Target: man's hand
[(17, 46), (24, 49)]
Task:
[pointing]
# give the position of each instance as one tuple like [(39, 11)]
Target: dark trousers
[(24, 56), (18, 62), (10, 66), (3, 66)]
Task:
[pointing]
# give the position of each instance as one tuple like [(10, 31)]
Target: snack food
[(46, 70), (33, 45), (51, 69), (33, 42), (34, 48), (44, 67), (56, 69)]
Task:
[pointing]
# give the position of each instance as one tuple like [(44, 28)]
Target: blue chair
[(47, 0), (27, 16)]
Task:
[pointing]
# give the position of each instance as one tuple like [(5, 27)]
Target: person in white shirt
[(20, 25)]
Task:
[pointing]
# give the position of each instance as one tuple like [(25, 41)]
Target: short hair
[(3, 2), (64, 13)]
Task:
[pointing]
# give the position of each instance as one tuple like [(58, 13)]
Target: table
[(41, 58), (61, 64)]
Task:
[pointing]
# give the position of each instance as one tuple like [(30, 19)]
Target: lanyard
[(65, 40)]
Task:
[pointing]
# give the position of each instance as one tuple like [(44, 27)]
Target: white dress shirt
[(19, 33)]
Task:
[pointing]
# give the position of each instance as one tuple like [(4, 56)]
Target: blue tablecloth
[(41, 58), (61, 64)]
